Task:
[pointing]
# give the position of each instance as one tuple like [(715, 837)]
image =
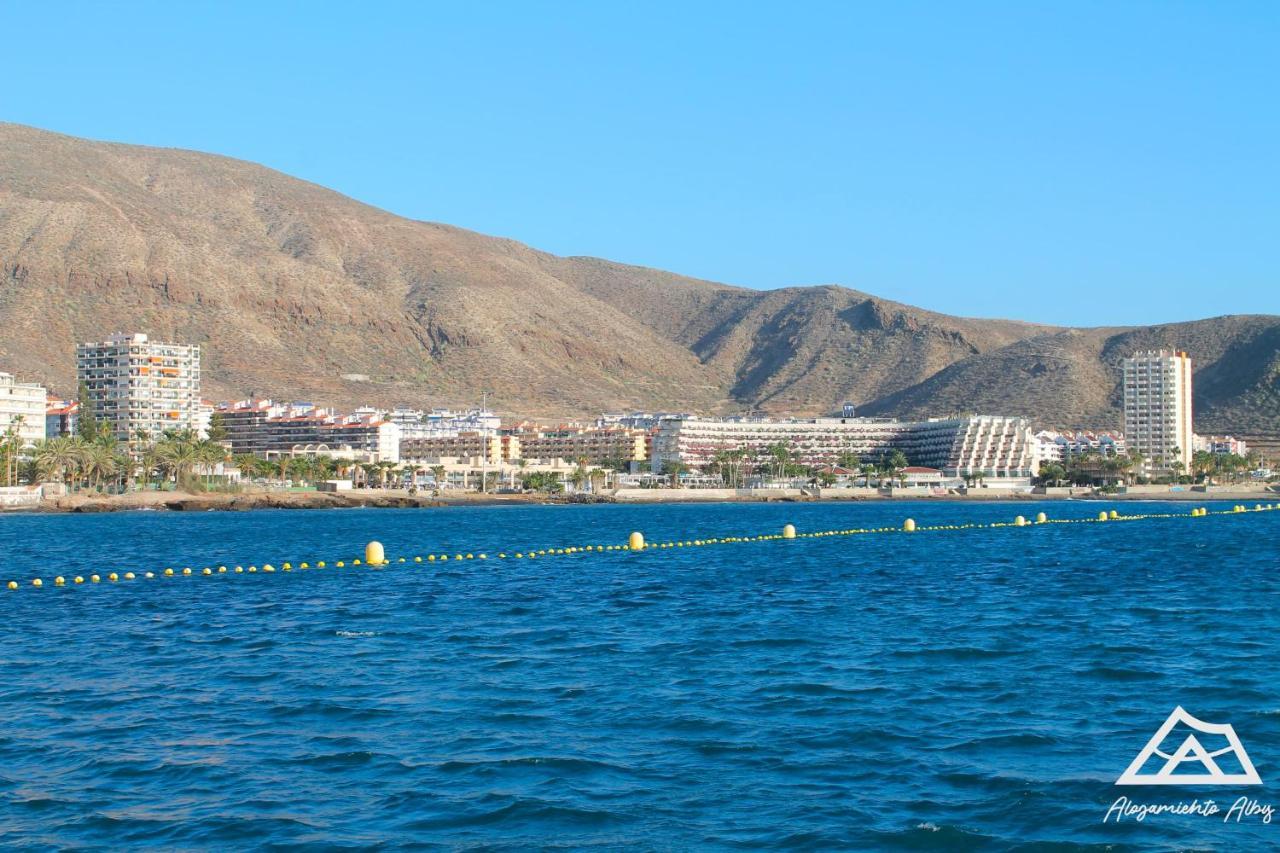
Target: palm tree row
[(102, 461)]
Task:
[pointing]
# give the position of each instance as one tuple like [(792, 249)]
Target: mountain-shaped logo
[(1192, 751)]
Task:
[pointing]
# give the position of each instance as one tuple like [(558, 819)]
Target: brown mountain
[(296, 291)]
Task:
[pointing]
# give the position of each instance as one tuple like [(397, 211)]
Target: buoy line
[(375, 554)]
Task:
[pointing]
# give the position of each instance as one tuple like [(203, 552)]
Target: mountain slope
[(297, 291)]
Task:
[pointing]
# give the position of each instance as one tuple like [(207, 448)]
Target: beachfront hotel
[(268, 429), (996, 448), (1157, 407), (22, 406), (137, 385)]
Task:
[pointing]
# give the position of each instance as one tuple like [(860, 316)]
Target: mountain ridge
[(297, 290)]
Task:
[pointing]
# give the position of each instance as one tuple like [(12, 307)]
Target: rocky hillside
[(297, 291)]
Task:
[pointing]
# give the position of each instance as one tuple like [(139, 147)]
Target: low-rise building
[(267, 429), (596, 445), (1062, 447), (994, 447), (61, 417), (492, 447), (1222, 445)]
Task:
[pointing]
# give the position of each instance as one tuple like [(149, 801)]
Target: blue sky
[(1080, 163)]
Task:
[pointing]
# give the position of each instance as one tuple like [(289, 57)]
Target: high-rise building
[(22, 408), (1157, 408), (141, 386)]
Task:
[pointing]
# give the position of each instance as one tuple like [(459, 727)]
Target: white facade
[(994, 446), (1220, 444), (1157, 408), (1062, 446), (22, 406), (138, 385), (443, 423)]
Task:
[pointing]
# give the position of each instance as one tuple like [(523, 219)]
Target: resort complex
[(136, 394)]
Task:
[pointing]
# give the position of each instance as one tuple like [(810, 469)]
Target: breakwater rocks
[(235, 502)]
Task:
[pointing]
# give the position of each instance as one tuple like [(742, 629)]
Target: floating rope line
[(375, 555)]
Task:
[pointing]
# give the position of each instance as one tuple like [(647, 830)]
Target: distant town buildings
[(22, 407), (141, 388), (993, 447), (1157, 407)]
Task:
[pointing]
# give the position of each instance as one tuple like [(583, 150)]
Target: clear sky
[(1076, 162)]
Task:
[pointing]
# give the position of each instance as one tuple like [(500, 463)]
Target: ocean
[(963, 689)]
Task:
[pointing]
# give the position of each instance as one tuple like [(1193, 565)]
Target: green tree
[(217, 428), (88, 423)]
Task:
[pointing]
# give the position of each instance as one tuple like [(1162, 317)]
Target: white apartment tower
[(138, 385), (1157, 407), (22, 406)]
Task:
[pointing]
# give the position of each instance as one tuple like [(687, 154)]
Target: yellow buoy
[(113, 577), (186, 571), (1041, 518), (168, 573), (267, 567), (78, 579), (909, 525), (374, 554), (1020, 522), (94, 578), (59, 581), (206, 571), (37, 582), (320, 564), (1114, 514), (788, 531), (12, 584), (636, 541), (129, 576), (417, 559), (1102, 516)]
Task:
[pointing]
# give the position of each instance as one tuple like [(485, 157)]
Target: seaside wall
[(17, 497), (650, 495)]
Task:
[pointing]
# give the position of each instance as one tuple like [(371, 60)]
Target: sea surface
[(973, 689)]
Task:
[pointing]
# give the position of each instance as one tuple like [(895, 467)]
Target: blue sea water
[(945, 690)]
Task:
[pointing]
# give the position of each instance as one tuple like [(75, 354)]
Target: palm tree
[(178, 454), (98, 462), (209, 454), (10, 447), (437, 472), (61, 457), (578, 478)]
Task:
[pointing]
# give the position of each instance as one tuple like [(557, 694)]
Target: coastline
[(401, 499)]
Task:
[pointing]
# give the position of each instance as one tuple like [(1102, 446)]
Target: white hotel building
[(1157, 407), (997, 448), (136, 384), (22, 406)]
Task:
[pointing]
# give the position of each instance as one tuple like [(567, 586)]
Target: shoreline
[(401, 499)]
